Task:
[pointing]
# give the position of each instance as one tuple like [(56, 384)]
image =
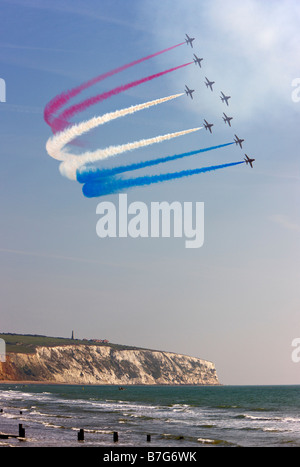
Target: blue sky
[(235, 301)]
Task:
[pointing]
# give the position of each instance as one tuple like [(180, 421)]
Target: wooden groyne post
[(21, 431), (81, 434)]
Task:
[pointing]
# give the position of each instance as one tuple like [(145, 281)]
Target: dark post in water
[(21, 431)]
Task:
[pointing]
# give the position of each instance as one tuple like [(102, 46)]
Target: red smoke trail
[(57, 102), (61, 122)]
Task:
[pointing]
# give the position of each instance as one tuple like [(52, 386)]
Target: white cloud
[(285, 222), (250, 48)]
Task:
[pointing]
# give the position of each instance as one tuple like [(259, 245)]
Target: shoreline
[(31, 382), (25, 382), (183, 417)]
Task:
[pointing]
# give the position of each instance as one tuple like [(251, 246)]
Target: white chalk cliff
[(94, 364)]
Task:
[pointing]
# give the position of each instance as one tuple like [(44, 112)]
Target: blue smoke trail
[(115, 185), (86, 175)]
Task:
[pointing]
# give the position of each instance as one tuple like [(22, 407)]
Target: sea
[(144, 416)]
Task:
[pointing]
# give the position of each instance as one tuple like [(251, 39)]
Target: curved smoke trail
[(111, 186), (56, 143), (59, 101), (61, 122), (91, 174), (71, 164)]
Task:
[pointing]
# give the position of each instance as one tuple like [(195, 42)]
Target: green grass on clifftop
[(27, 343)]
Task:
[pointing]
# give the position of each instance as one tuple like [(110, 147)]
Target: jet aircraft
[(238, 140), (227, 119), (249, 161), (189, 40), (208, 125), (189, 91), (224, 98), (209, 83), (197, 60)]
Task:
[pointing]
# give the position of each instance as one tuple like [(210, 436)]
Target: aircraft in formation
[(224, 99), (249, 161), (209, 83), (197, 60), (189, 92), (189, 40), (227, 119), (239, 141), (208, 125)]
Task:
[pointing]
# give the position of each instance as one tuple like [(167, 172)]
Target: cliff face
[(89, 364)]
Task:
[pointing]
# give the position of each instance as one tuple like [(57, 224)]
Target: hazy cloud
[(250, 48), (285, 222)]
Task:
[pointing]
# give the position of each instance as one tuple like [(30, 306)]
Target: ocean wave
[(171, 419), (291, 419), (227, 406), (253, 417), (9, 415), (272, 430), (52, 425), (210, 441)]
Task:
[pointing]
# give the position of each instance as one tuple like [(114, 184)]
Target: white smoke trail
[(72, 162), (55, 144)]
